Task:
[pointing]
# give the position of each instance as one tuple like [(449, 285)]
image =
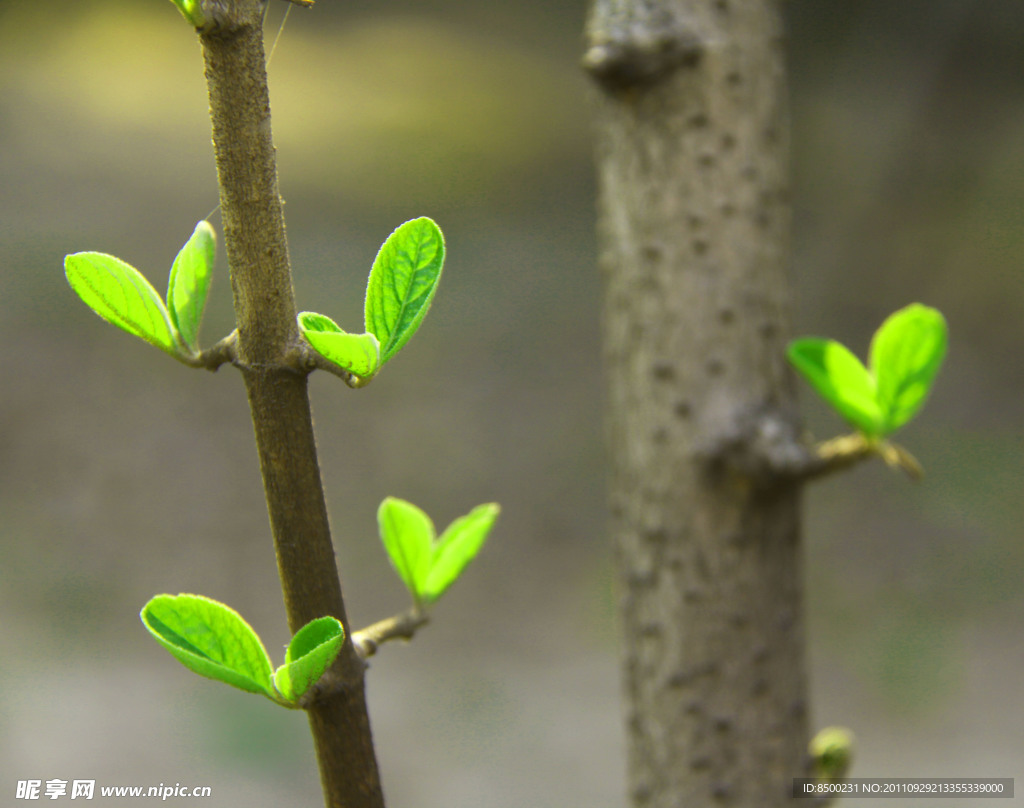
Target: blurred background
[(124, 474)]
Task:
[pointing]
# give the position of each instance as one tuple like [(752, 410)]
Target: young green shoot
[(213, 640), (399, 292), (905, 356), (121, 295), (428, 565)]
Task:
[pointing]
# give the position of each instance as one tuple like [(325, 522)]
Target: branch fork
[(366, 642)]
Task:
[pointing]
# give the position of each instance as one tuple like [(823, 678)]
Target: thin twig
[(212, 358), (846, 450), (401, 626), (837, 454)]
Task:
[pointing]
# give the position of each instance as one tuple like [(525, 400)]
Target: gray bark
[(693, 226)]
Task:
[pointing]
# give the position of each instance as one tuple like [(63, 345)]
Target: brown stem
[(254, 234)]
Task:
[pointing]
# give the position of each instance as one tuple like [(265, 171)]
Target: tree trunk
[(694, 220)]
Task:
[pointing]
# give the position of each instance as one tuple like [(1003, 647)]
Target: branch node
[(765, 448), (328, 685), (639, 57), (219, 354), (304, 359), (222, 17)]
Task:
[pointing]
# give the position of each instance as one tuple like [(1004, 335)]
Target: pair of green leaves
[(399, 292), (426, 564), (213, 640), (906, 353), (121, 295)]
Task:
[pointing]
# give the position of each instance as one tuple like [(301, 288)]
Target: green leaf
[(119, 294), (408, 535), (359, 354), (312, 651), (841, 379), (402, 283), (189, 283), (906, 354), (192, 11), (458, 545), (320, 323), (210, 639)]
